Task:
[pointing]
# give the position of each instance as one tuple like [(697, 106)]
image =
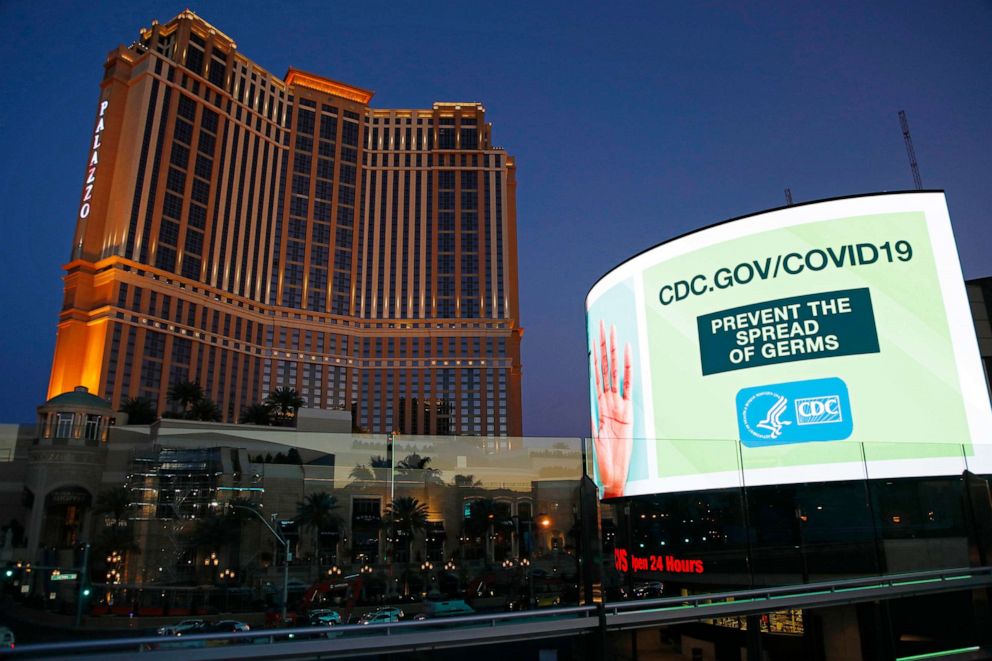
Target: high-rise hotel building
[(251, 232)]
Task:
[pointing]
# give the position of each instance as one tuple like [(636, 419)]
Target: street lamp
[(334, 572), (287, 556)]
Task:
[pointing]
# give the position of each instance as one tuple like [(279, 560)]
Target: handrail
[(593, 617), (796, 589)]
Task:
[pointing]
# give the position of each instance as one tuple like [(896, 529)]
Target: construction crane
[(788, 196), (909, 150)]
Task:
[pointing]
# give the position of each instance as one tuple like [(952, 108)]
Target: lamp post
[(285, 559)]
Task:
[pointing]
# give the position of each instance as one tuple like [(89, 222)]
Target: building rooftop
[(79, 397)]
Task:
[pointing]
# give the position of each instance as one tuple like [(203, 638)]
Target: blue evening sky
[(630, 123)]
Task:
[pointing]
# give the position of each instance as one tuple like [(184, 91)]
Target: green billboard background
[(905, 390)]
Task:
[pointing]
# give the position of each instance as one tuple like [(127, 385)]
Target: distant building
[(980, 298), (252, 232)]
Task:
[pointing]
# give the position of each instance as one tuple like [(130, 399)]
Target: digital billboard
[(823, 341)]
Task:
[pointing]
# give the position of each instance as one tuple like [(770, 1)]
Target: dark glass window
[(186, 107), (194, 60)]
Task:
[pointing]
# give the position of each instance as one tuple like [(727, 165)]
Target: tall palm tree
[(139, 410), (415, 467), (361, 476), (467, 481), (204, 409), (380, 467), (406, 517), (259, 413), (114, 503), (186, 393), (317, 513), (286, 402), (482, 520)]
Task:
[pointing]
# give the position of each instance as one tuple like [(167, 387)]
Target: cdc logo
[(818, 410), (794, 412)]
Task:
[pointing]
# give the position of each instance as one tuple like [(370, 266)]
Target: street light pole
[(285, 559), (81, 587)]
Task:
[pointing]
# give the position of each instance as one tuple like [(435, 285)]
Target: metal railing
[(493, 628)]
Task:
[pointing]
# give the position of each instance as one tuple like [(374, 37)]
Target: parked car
[(6, 638), (195, 625)]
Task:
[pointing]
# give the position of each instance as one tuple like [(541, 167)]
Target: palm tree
[(380, 467), (481, 520), (316, 513), (406, 517), (362, 476), (139, 411), (415, 467), (204, 409), (287, 401), (257, 414), (467, 481), (212, 533), (186, 393), (114, 504)]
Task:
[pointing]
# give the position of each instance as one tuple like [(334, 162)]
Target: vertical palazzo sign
[(84, 207)]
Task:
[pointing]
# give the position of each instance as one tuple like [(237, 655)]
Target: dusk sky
[(630, 123)]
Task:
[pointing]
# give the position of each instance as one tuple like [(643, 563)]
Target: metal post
[(285, 578), (286, 555), (83, 572)]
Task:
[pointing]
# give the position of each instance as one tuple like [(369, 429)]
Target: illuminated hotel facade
[(250, 232)]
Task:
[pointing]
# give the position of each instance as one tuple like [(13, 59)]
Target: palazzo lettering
[(84, 207)]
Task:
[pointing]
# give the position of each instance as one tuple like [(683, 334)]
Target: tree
[(139, 411), (481, 521), (205, 410), (467, 481), (186, 393), (214, 532), (285, 402), (257, 414), (361, 476), (114, 504), (415, 467), (317, 513), (406, 516)]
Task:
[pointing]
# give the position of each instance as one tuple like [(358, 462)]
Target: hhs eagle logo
[(794, 412)]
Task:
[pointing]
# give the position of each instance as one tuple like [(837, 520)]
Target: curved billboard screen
[(824, 341)]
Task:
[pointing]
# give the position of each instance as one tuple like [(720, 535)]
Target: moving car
[(447, 608), (382, 616), (325, 616), (195, 625), (226, 626), (6, 638)]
